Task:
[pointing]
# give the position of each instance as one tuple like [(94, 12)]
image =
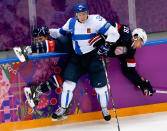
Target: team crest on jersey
[(88, 30)]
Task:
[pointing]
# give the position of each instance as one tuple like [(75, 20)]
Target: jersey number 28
[(126, 29)]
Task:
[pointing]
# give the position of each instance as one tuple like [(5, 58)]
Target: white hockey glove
[(54, 33), (120, 50)]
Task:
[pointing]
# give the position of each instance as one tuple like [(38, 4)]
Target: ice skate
[(22, 53), (60, 114), (32, 94), (106, 114)]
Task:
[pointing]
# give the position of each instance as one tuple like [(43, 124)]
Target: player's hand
[(103, 50), (120, 50), (146, 88)]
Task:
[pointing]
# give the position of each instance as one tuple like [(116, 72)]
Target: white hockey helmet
[(141, 34)]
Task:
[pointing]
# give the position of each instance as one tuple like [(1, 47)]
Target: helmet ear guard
[(141, 34)]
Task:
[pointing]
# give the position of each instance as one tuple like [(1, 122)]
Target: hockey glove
[(40, 31), (120, 50), (103, 50), (146, 88), (97, 40)]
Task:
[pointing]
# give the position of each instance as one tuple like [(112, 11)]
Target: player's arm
[(124, 41), (128, 68), (43, 45), (106, 29), (55, 33)]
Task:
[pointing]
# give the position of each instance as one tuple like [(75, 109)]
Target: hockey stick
[(109, 88), (161, 91)]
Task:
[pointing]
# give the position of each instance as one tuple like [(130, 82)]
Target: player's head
[(81, 12), (40, 33), (140, 37)]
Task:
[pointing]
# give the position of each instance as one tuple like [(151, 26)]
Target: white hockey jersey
[(83, 32)]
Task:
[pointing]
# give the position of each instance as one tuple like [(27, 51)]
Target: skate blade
[(60, 119), (27, 93), (19, 54)]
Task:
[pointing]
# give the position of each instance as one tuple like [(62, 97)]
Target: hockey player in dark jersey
[(125, 49), (43, 45)]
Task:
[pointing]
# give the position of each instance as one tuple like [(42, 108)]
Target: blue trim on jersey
[(77, 48), (106, 96), (72, 24), (62, 31), (98, 97), (83, 36), (105, 27), (67, 98), (78, 36)]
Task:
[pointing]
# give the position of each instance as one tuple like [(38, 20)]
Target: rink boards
[(14, 76)]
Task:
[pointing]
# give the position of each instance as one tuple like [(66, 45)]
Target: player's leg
[(99, 82), (102, 95), (71, 75), (34, 92), (66, 97)]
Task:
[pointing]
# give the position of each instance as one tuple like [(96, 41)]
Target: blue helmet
[(81, 7)]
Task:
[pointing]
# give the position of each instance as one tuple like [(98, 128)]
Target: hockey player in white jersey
[(83, 28)]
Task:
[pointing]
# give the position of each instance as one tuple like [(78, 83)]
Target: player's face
[(40, 39), (82, 16), (138, 44)]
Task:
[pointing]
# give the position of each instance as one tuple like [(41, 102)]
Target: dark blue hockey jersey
[(124, 40)]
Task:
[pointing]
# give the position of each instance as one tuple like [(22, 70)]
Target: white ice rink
[(148, 122)]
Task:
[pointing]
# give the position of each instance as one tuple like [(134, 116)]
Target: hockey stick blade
[(161, 91)]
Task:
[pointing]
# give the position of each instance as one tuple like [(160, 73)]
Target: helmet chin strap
[(135, 38), (133, 43)]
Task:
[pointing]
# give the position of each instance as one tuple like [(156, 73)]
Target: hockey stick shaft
[(161, 91), (108, 85)]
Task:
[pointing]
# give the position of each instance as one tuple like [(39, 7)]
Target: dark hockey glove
[(103, 50), (40, 31), (97, 40), (146, 88)]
